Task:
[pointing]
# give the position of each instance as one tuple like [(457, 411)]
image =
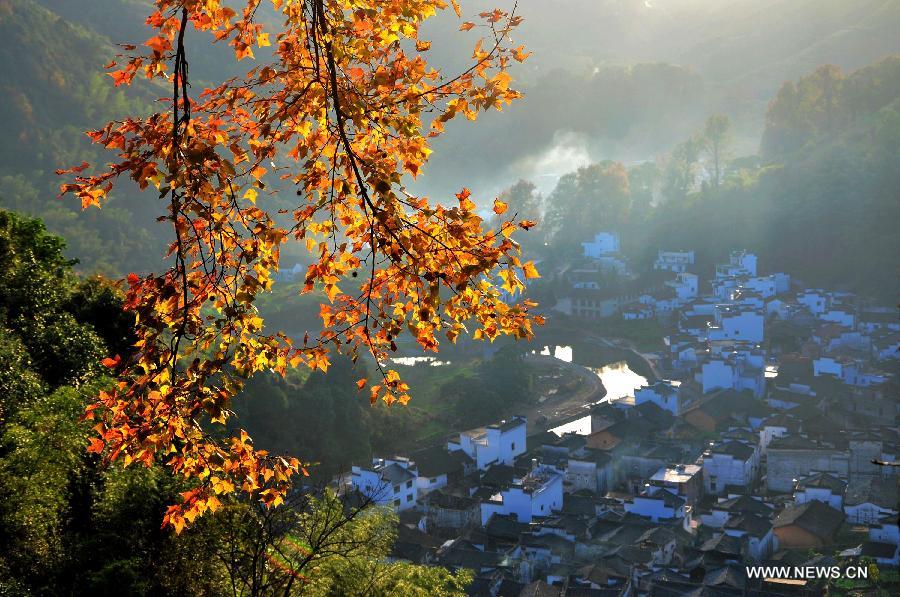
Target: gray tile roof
[(814, 517)]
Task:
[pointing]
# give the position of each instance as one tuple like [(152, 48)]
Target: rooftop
[(509, 424), (536, 480), (734, 449), (878, 491), (758, 526), (814, 517), (437, 460), (681, 473), (668, 498), (743, 504), (394, 473), (823, 481)]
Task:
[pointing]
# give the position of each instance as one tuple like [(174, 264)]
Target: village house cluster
[(766, 437)]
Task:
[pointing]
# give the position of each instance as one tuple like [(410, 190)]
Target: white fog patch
[(568, 152)]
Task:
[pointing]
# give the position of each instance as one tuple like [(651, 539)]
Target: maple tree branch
[(179, 76)]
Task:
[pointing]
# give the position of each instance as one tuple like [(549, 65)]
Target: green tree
[(584, 202), (643, 182), (361, 567), (19, 384), (525, 200), (681, 168), (526, 203), (716, 134), (66, 526), (42, 449), (802, 110), (318, 544), (323, 418)]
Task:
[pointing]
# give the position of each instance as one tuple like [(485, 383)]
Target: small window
[(409, 483), (409, 498), (397, 502), (513, 446)]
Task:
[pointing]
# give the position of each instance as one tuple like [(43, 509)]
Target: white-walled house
[(604, 243), (869, 501), (777, 425), (733, 505), (663, 301), (604, 251), (684, 351), (724, 288), (717, 373), (686, 286), (847, 370), (780, 308), (824, 487), (388, 482), (793, 456), (885, 345), (436, 467), (830, 336), (740, 263), (738, 370), (766, 286), (815, 300), (727, 464), (674, 261), (732, 323), (782, 282), (638, 312), (591, 471), (879, 318), (685, 480), (663, 394), (659, 504), (498, 443), (840, 315), (536, 495), (744, 298), (756, 531), (703, 305)]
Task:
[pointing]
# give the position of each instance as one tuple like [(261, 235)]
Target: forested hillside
[(52, 77), (54, 87), (823, 201), (819, 201)]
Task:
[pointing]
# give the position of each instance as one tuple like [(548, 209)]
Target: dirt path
[(558, 409), (562, 410)]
